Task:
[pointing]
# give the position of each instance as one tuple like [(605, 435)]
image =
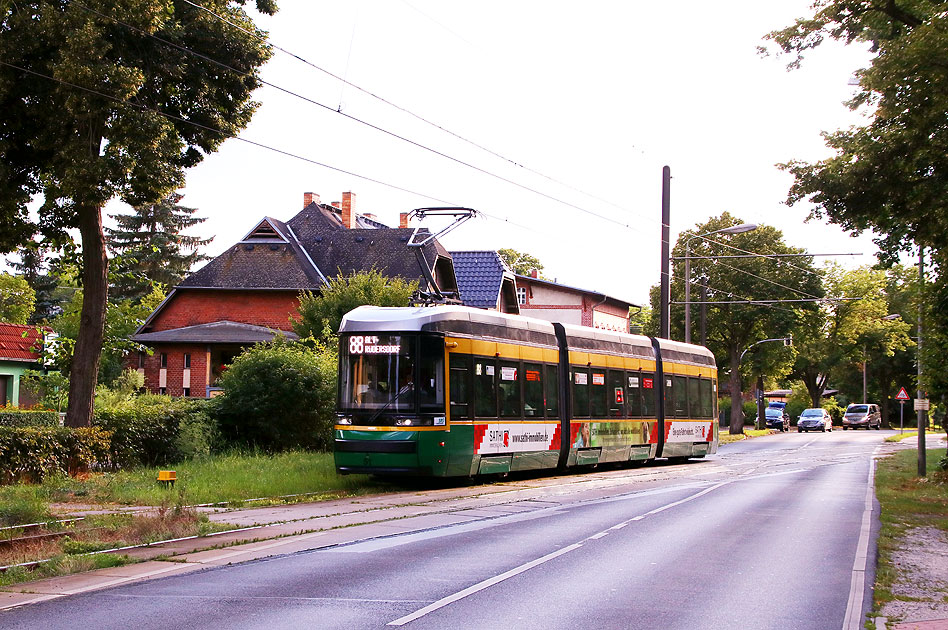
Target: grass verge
[(727, 438), (906, 501), (69, 552), (226, 478)]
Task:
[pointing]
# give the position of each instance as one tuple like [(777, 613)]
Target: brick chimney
[(535, 273), (309, 198), (348, 210), (403, 220)]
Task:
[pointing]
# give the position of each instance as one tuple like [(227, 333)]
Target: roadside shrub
[(835, 410), (749, 407), (13, 417), (33, 454), (278, 396), (198, 435), (144, 429)]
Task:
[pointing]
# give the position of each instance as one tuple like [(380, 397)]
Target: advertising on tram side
[(592, 434)]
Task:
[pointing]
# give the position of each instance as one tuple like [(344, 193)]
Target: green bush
[(279, 396), (198, 435), (144, 429), (13, 417), (33, 454), (835, 410)]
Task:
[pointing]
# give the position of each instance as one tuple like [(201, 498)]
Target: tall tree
[(841, 334), (520, 262), (736, 327), (103, 100), (890, 175), (17, 299), (152, 247), (32, 267)]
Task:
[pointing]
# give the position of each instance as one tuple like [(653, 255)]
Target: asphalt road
[(766, 534)]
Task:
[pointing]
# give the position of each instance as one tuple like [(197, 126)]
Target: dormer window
[(265, 232)]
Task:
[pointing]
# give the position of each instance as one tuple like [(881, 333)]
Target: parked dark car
[(777, 418), (862, 417), (814, 420)]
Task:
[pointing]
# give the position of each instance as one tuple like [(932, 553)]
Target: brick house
[(250, 292), (570, 305)]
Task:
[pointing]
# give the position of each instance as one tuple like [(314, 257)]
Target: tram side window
[(707, 399), (460, 385), (634, 394), (694, 398), (597, 393), (532, 390), (431, 374), (648, 395), (680, 396), (552, 391), (616, 393), (509, 384), (580, 384), (485, 388)]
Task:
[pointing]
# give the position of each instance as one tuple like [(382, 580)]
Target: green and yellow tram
[(458, 391)]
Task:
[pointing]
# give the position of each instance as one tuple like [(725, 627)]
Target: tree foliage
[(520, 263), (320, 314), (32, 267), (842, 334), (122, 319), (733, 328), (17, 299), (102, 100), (152, 247), (891, 174), (278, 396)]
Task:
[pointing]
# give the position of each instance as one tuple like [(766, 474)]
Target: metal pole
[(704, 311), (665, 297), (687, 292), (921, 414), (864, 359), (901, 415)]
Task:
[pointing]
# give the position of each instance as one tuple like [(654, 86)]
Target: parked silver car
[(815, 420), (862, 416)]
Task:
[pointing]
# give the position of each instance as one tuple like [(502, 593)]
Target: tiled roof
[(480, 276), (214, 332), (20, 343), (311, 247)]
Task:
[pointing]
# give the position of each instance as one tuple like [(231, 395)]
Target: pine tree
[(33, 268), (151, 247)]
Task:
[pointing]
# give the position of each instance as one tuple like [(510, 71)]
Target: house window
[(187, 361), (187, 390), (164, 360), (162, 390), (521, 295), (141, 359)]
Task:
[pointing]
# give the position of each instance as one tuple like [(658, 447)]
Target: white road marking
[(480, 586), (857, 586)]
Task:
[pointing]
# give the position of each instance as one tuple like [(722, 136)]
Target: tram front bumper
[(374, 453)]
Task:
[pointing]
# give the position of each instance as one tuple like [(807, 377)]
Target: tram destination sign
[(369, 344)]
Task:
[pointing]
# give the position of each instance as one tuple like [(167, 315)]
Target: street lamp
[(865, 356), (734, 229)]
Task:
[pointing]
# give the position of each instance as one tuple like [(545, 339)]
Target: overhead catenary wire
[(223, 133), (354, 118), (430, 123)]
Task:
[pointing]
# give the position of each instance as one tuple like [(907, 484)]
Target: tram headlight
[(403, 422)]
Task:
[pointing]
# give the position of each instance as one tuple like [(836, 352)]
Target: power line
[(214, 130), (435, 125), (771, 256), (773, 282)]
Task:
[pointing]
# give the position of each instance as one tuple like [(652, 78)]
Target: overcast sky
[(595, 96)]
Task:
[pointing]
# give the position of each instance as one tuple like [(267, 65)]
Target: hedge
[(13, 417), (33, 454), (148, 431)]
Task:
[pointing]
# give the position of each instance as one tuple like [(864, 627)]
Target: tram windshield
[(391, 373)]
